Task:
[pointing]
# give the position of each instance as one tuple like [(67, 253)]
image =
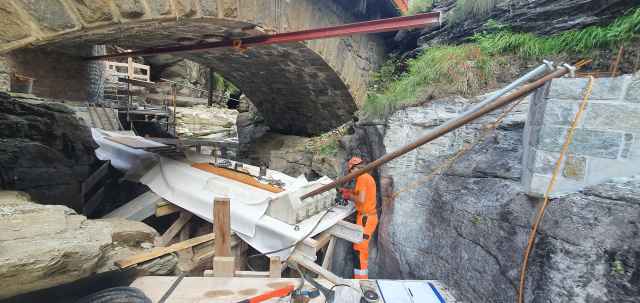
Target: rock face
[(48, 245), (44, 150), (537, 16), (468, 226), (4, 74), (206, 122)]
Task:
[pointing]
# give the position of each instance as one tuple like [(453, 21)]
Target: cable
[(292, 245), (545, 203)]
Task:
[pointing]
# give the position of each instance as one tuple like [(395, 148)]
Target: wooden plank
[(275, 267), (138, 209), (93, 203), (185, 256), (224, 266), (347, 231), (328, 254), (161, 251), (88, 184), (174, 229), (164, 208), (222, 226), (301, 260), (237, 176)]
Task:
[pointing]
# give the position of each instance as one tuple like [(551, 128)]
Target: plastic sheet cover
[(194, 190)]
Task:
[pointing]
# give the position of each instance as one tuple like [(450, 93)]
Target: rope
[(545, 203), (488, 129)]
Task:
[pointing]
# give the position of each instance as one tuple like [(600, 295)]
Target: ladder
[(103, 117)]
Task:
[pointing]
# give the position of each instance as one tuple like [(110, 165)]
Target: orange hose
[(545, 203)]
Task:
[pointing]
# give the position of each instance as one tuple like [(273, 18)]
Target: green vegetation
[(419, 6), (463, 69), (581, 41), (617, 267), (329, 147)]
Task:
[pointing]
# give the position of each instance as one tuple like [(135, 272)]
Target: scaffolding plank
[(161, 251), (138, 209)]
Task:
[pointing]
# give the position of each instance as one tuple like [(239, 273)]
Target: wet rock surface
[(538, 16), (48, 245), (44, 150), (469, 225)]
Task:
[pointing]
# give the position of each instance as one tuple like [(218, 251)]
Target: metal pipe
[(537, 72), (443, 129), (375, 26)]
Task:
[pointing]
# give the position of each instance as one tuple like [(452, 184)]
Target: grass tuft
[(471, 8), (419, 6), (581, 41), (462, 69)]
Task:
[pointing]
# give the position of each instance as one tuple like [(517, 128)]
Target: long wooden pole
[(443, 129)]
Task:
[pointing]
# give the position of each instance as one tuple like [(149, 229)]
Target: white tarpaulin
[(194, 190)]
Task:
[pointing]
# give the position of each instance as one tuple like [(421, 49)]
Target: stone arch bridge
[(300, 88)]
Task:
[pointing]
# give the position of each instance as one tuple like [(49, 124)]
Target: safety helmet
[(354, 161)]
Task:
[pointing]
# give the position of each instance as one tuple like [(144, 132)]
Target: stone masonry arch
[(300, 88)]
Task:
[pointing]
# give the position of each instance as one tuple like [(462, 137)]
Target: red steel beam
[(375, 26)]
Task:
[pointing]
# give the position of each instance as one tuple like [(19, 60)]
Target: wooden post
[(223, 262), (275, 267), (222, 226)]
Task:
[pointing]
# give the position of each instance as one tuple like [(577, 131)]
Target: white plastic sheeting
[(194, 190)]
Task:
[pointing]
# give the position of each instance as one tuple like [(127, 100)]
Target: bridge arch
[(300, 88)]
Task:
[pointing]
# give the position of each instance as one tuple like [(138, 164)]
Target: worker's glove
[(346, 193)]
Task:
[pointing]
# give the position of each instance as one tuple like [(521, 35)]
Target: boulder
[(468, 226), (44, 150), (49, 245)]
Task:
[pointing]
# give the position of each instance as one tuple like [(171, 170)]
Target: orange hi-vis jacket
[(365, 183)]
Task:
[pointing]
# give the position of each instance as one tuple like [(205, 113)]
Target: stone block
[(567, 88), (633, 91), (538, 186), (209, 8), (51, 15), (160, 7), (130, 9), (185, 7), (93, 11), (574, 167), (559, 112), (574, 88), (628, 144), (13, 28), (595, 143), (600, 170), (619, 116), (230, 8), (544, 162), (609, 88)]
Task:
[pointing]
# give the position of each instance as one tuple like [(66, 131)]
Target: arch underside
[(292, 86)]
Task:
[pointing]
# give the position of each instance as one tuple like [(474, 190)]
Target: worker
[(364, 197)]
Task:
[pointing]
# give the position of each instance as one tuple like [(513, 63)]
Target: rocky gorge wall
[(44, 150), (468, 226)]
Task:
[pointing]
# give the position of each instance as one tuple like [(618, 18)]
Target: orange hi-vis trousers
[(361, 250)]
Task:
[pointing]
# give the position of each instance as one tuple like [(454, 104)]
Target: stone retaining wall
[(606, 143)]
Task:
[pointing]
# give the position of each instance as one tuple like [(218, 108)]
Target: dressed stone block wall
[(606, 143)]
